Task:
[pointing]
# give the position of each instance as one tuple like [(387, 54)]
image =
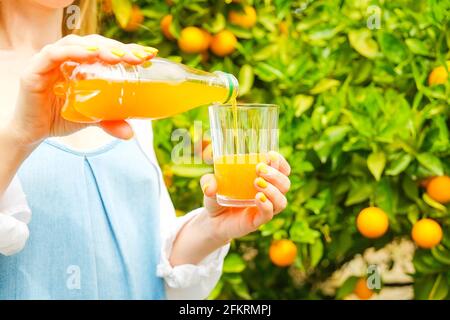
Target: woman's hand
[(272, 184), (217, 225), (37, 114)]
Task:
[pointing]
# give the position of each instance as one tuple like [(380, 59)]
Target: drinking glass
[(242, 135)]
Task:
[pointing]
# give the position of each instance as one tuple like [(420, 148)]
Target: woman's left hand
[(271, 184)]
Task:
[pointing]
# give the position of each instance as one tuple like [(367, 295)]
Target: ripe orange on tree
[(372, 222), (426, 233), (193, 40), (244, 19), (439, 189), (361, 290), (439, 75), (165, 23), (283, 252), (136, 19), (223, 43)]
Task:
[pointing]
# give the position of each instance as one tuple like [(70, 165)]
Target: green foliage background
[(360, 126)]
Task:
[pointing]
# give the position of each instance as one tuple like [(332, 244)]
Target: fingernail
[(205, 187), (260, 182), (118, 52), (92, 48), (262, 168), (262, 197), (151, 50), (273, 156), (140, 54)]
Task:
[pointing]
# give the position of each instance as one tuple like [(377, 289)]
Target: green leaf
[(302, 103), (417, 47), (246, 78), (346, 288), (432, 203), (362, 42), (122, 11), (302, 233), (271, 226), (324, 85), (431, 162), (399, 165), (358, 193), (410, 188), (376, 162), (441, 254), (392, 47), (267, 72), (241, 290), (316, 252), (216, 291), (431, 288), (233, 263), (190, 171)]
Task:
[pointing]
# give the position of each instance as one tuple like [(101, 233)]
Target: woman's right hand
[(37, 114)]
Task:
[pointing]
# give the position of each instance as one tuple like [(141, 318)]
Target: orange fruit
[(283, 252), (439, 189), (223, 43), (426, 233), (193, 40), (136, 19), (372, 222), (244, 19), (439, 75), (165, 23), (361, 290)]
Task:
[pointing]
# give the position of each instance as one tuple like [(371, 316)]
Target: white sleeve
[(184, 281), (14, 216)]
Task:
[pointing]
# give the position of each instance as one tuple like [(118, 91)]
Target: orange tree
[(363, 91)]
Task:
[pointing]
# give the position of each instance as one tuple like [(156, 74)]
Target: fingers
[(266, 210), (119, 129), (87, 49), (278, 162), (208, 184), (275, 177), (273, 195)]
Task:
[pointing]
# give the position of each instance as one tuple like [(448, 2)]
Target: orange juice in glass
[(242, 135)]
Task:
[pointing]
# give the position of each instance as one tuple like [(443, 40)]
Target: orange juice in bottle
[(157, 89)]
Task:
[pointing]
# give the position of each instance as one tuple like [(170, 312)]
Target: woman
[(103, 224)]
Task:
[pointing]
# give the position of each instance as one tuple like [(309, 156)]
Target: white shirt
[(182, 282)]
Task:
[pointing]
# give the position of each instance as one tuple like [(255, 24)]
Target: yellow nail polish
[(262, 197), (260, 182), (92, 48), (118, 52), (151, 50), (205, 187), (262, 168), (140, 54)]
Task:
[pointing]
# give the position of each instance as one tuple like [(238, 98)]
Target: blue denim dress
[(95, 227)]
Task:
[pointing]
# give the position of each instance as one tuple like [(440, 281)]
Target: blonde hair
[(89, 23)]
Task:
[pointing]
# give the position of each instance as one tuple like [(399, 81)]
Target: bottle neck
[(231, 83)]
